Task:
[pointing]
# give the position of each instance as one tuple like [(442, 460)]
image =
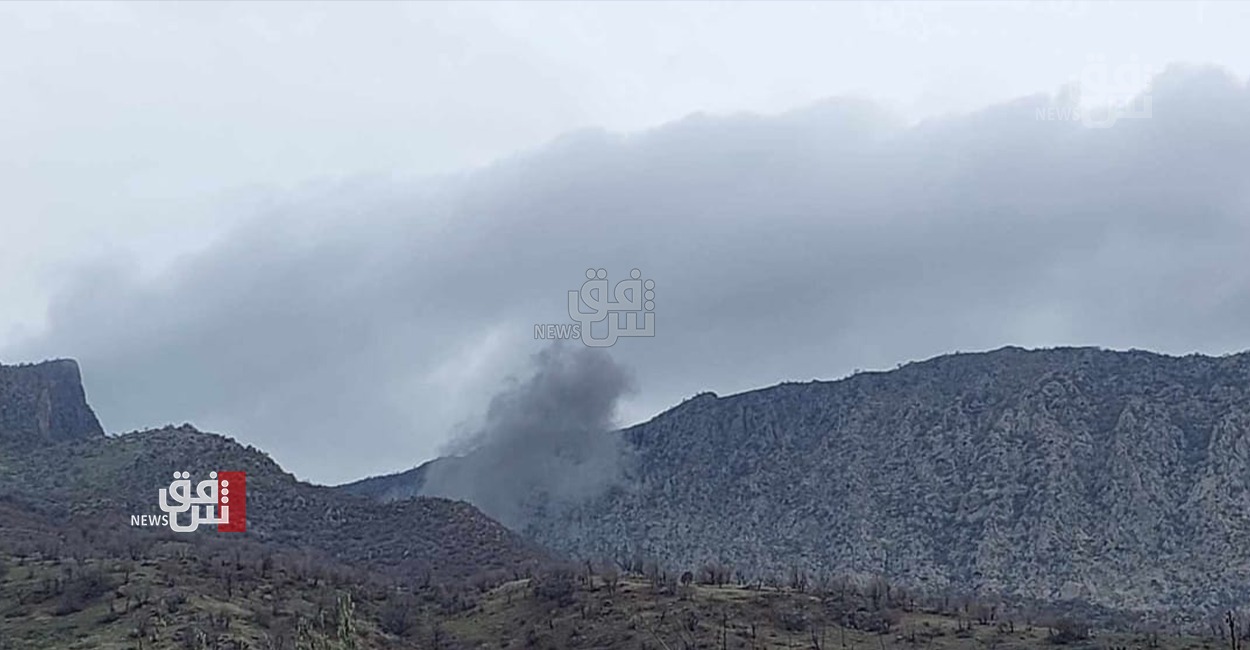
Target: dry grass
[(637, 615)]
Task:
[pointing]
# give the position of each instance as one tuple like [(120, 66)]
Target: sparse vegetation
[(69, 587), (335, 572)]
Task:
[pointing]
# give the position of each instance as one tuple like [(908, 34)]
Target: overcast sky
[(328, 229)]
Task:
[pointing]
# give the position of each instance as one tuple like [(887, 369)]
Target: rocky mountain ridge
[(1074, 473)]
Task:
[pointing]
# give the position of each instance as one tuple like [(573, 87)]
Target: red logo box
[(232, 494)]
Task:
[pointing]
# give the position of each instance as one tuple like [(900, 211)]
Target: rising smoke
[(546, 442)]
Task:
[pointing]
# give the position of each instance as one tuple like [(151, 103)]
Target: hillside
[(394, 487), (1118, 478), (579, 609), (84, 587), (56, 461), (112, 478), (90, 586)]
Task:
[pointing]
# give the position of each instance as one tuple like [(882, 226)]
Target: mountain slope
[(394, 487), (56, 460), (1114, 477), (84, 586), (112, 478), (89, 586)]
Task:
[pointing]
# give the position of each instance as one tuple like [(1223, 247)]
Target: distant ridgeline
[(1117, 478), (44, 403)]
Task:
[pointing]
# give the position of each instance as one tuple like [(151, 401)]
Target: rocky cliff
[(43, 403)]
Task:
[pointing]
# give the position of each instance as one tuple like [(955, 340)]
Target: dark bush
[(80, 590), (1067, 630), (397, 616), (557, 585)]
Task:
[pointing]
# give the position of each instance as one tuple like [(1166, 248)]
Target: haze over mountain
[(1118, 478), (357, 327)]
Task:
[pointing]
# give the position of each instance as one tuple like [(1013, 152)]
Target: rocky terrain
[(44, 402), (1118, 478), (1004, 499), (322, 569), (87, 587), (70, 472)]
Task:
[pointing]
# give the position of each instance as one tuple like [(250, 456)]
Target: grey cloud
[(544, 440), (357, 329)]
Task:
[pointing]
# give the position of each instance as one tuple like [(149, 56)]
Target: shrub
[(557, 585), (396, 617), (80, 590), (1067, 630)]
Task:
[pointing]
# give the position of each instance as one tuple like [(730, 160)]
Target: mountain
[(44, 402), (319, 568), (113, 478), (398, 486), (56, 462), (1117, 478)]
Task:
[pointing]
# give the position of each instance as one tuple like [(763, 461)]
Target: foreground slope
[(83, 586), (636, 611), (1113, 477)]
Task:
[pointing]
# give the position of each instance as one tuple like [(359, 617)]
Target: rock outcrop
[(44, 403)]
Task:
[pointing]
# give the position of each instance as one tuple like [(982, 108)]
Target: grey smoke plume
[(545, 442)]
